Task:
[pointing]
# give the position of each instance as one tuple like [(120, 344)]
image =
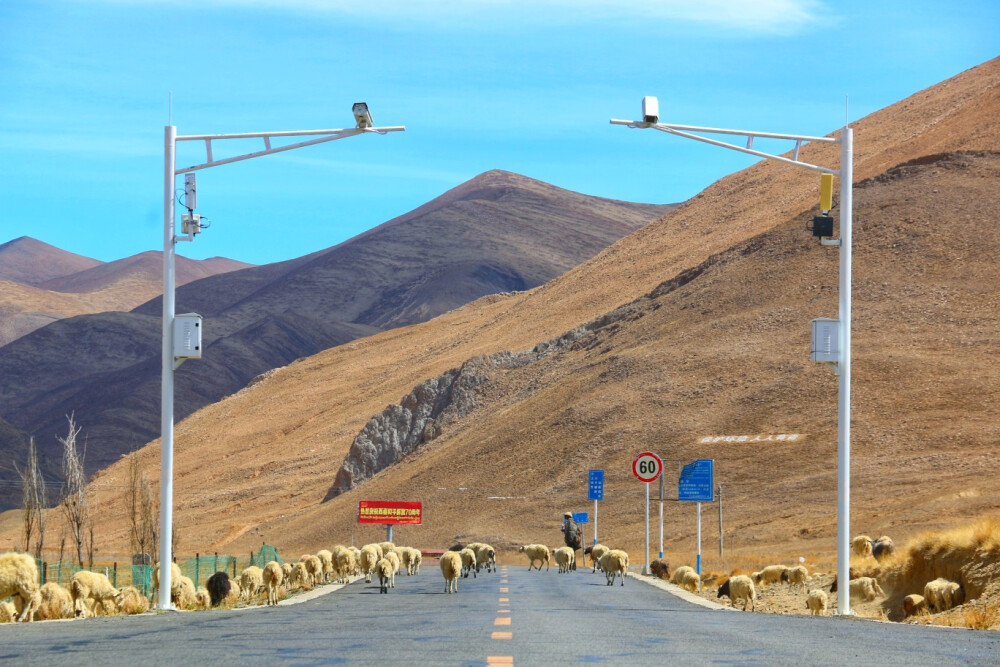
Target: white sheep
[(405, 559), (8, 613), (56, 602), (816, 602), (183, 593), (914, 604), (133, 601), (737, 589), (862, 546), (272, 577), (384, 570), (417, 557), (369, 558), (486, 557), (468, 557), (596, 552), (771, 574), (346, 564), (564, 557), (175, 574), (394, 561), (19, 579), (678, 576), (202, 600), (942, 595), (538, 552), (299, 578), (235, 593), (614, 563), (690, 581), (863, 588), (252, 581), (286, 571), (88, 589), (451, 568), (314, 566), (386, 548), (795, 576), (326, 559)]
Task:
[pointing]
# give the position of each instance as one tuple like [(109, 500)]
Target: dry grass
[(985, 616)]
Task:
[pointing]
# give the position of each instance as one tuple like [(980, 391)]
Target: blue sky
[(526, 86)]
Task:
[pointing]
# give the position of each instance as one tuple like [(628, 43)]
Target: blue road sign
[(595, 485), (581, 517), (696, 482)]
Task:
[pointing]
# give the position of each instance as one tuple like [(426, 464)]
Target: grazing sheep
[(739, 588), (564, 557), (863, 588), (252, 581), (691, 581), (816, 602), (914, 604), (795, 576), (7, 612), (183, 593), (659, 569), (56, 602), (235, 594), (218, 586), (538, 552), (314, 566), (451, 568), (369, 558), (286, 571), (19, 579), (88, 589), (346, 564), (486, 557), (133, 601), (202, 600), (862, 546), (614, 563), (468, 557), (679, 573), (326, 560), (942, 595), (384, 570), (595, 553), (272, 576), (883, 548), (175, 574), (299, 577), (771, 574)]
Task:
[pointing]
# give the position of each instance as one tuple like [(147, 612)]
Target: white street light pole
[(170, 361), (843, 364)]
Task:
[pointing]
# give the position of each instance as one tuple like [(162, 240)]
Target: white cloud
[(751, 16)]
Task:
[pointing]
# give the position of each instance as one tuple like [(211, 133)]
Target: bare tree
[(140, 503), (74, 503), (33, 493)]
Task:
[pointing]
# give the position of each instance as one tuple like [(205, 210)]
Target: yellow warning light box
[(825, 192)]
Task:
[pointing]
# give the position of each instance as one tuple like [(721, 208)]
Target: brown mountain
[(31, 262), (500, 232), (32, 301), (696, 325)]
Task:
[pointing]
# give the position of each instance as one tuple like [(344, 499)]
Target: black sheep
[(218, 586)]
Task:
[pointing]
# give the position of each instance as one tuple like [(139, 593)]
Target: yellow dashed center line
[(497, 660), (502, 635), (503, 611), (504, 589), (502, 621), (504, 599)]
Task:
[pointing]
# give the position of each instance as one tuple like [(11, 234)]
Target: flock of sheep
[(92, 592)]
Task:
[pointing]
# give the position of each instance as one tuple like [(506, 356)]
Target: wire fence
[(137, 570)]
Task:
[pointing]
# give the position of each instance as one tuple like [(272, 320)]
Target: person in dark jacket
[(572, 534)]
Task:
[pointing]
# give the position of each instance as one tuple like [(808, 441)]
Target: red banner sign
[(389, 511)]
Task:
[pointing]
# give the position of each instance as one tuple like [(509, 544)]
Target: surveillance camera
[(650, 110), (362, 115)]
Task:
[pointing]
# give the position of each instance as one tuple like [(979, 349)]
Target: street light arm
[(679, 131), (327, 135)]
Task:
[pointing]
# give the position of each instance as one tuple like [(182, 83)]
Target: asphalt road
[(510, 617)]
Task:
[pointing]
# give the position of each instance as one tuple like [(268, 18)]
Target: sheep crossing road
[(509, 617)]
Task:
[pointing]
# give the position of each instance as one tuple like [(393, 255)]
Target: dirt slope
[(717, 344)]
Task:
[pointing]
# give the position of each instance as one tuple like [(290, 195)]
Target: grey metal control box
[(187, 336), (825, 340)]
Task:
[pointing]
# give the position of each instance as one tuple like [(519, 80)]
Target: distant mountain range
[(499, 232), (40, 283)]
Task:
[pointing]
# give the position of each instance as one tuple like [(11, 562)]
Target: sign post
[(696, 484), (647, 467), (390, 512), (595, 492)]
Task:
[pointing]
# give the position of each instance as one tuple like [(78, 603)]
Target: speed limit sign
[(647, 467)]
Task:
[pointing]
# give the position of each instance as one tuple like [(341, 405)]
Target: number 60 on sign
[(647, 467)]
